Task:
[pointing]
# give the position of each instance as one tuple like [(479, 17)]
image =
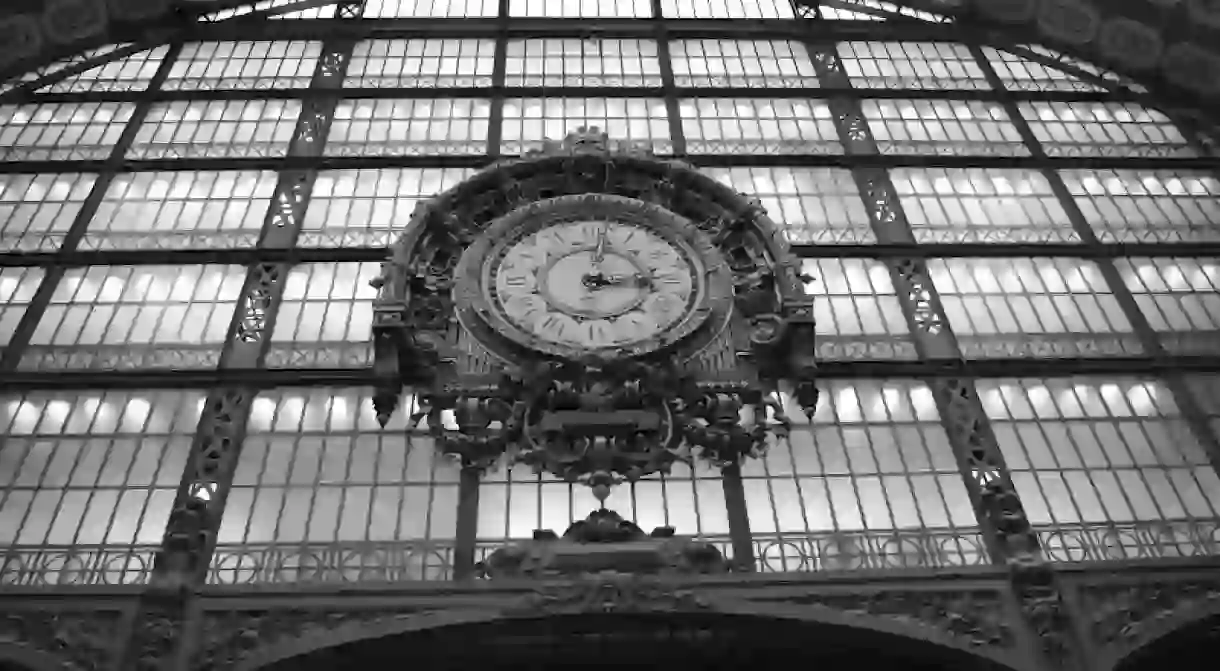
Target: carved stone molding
[(1123, 617), (976, 618), (80, 640), (608, 593), (230, 637)]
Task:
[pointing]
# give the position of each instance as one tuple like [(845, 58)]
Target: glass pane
[(87, 481), (326, 316), (1144, 206), (1103, 129), (981, 205), (61, 131), (322, 494), (369, 207), (726, 9), (755, 126), (1035, 307), (529, 121), (1022, 74), (406, 127), (581, 9), (577, 62), (811, 205), (17, 289), (942, 127), (857, 310), (124, 317), (1106, 468), (870, 483), (181, 210), (243, 65), (217, 129), (1180, 298), (911, 65), (132, 73), (454, 9), (423, 63), (36, 211), (513, 502), (757, 63)]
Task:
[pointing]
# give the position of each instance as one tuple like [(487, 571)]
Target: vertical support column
[(495, 121), (467, 523), (163, 635), (10, 357), (999, 510), (677, 137), (1192, 412), (743, 558)]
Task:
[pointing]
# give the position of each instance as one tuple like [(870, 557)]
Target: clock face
[(592, 284)]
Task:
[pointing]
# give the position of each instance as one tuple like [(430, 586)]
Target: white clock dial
[(594, 284)]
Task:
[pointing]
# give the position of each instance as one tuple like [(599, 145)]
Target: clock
[(591, 274)]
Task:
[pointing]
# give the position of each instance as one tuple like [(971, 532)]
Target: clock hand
[(600, 250)]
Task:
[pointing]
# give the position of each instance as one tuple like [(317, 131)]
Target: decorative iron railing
[(397, 561)]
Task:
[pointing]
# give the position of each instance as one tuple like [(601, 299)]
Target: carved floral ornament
[(683, 307)]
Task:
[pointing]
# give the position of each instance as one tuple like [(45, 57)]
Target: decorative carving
[(155, 635), (609, 593), (603, 541), (84, 640), (1125, 616), (232, 636)]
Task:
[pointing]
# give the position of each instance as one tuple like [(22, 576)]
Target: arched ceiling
[(1168, 46)]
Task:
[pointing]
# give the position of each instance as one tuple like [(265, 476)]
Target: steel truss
[(700, 160), (247, 256), (930, 369)]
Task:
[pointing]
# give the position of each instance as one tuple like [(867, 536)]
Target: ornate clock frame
[(608, 417)]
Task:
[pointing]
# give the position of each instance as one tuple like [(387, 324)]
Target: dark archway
[(685, 641), (1182, 648)]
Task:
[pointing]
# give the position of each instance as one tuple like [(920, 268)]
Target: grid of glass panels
[(1180, 298), (869, 483), (1031, 307), (319, 477), (325, 317), (577, 62), (355, 208), (758, 126), (753, 63), (61, 131), (243, 65), (857, 310), (132, 317), (181, 210), (981, 205), (36, 211), (911, 65), (1106, 468), (811, 205), (87, 480), (409, 127), (17, 289), (529, 122), (216, 129), (424, 63)]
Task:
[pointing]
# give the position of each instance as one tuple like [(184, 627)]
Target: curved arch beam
[(804, 614), (28, 659), (1162, 631), (1157, 42)]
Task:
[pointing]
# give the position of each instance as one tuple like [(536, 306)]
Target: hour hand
[(600, 250), (636, 279)]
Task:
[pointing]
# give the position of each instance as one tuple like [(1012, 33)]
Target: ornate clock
[(590, 275)]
